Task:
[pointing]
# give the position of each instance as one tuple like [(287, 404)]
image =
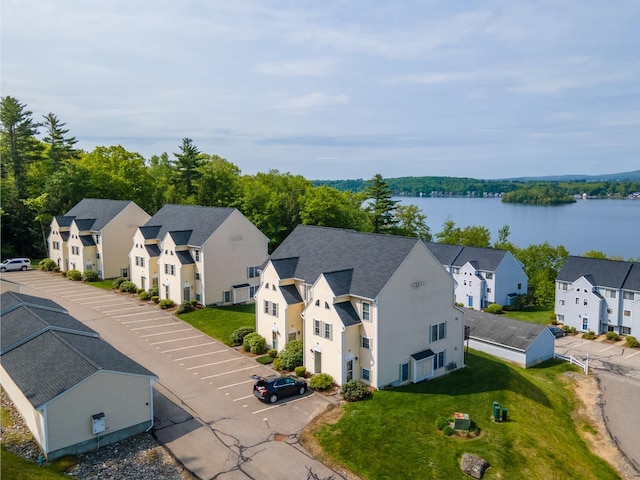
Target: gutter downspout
[(151, 380)]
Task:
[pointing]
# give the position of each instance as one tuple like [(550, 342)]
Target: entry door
[(470, 301), (349, 370), (186, 294), (274, 340), (317, 367)]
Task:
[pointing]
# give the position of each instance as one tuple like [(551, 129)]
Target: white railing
[(574, 361)]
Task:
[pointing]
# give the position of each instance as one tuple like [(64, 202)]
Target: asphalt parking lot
[(205, 412)]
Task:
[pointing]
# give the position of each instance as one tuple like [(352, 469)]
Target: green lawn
[(220, 322), (394, 435), (16, 468), (541, 315)]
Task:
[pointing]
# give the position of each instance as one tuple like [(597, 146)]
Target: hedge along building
[(368, 307), (74, 391)]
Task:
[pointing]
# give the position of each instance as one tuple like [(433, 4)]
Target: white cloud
[(316, 100)]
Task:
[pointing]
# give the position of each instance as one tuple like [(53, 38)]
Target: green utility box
[(496, 411), (461, 421)]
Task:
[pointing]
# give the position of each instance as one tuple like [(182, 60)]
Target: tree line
[(43, 174)]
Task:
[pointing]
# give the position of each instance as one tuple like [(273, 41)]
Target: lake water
[(609, 226)]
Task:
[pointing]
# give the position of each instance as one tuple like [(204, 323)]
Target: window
[(198, 298), (585, 324), (625, 330), (166, 268), (627, 313), (609, 310), (366, 311), (97, 254), (456, 269), (252, 272), (610, 293), (226, 296), (404, 372), (519, 286), (56, 245), (142, 261), (327, 331), (124, 272), (316, 327), (365, 343), (577, 301), (326, 305), (561, 302), (197, 255), (561, 318), (197, 275), (266, 306), (366, 375), (438, 331), (438, 360), (97, 239), (627, 295), (273, 287), (488, 275), (488, 289), (563, 286), (75, 250), (318, 303), (274, 309), (585, 303), (252, 289)]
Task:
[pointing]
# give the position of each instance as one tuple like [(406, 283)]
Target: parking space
[(209, 380)]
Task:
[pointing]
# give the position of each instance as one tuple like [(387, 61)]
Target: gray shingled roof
[(153, 250), (487, 259), (102, 210), (52, 351), (87, 240), (502, 330), (286, 267), (181, 237), (347, 314), (340, 282), (202, 220), (324, 249), (291, 294), (150, 232), (604, 273), (444, 252), (64, 221), (185, 257), (632, 282)]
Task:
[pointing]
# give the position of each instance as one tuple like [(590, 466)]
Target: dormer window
[(326, 305)]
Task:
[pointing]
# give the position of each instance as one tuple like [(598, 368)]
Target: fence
[(574, 361)]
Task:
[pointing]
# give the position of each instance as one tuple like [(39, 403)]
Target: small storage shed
[(524, 343), (74, 391)]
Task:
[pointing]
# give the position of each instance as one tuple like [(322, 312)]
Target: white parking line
[(103, 306), (242, 398), (143, 320), (172, 324), (215, 363), (108, 299), (175, 340), (135, 314), (228, 373), (190, 346), (236, 384), (80, 295), (166, 333), (111, 312), (608, 348), (279, 405), (199, 355), (633, 355)]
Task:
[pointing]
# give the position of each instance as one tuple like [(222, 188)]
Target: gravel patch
[(140, 457)]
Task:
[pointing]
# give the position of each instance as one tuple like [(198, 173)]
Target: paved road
[(618, 370), (204, 409)]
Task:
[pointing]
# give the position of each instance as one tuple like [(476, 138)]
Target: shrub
[(266, 360), (166, 303), (154, 292), (494, 308), (90, 276), (74, 275), (194, 303), (589, 335), (448, 430), (300, 371), (139, 290), (254, 343), (632, 342), (64, 274), (321, 381), (144, 295), (155, 299), (185, 307), (117, 282), (612, 336), (272, 352), (56, 269), (47, 265), (238, 335), (442, 422), (291, 355), (128, 287), (566, 328), (277, 364), (573, 330), (353, 391)]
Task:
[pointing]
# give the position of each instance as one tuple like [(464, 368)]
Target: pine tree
[(187, 163), (381, 209), (60, 147)]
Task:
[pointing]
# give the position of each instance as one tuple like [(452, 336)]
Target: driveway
[(618, 371), (204, 409)]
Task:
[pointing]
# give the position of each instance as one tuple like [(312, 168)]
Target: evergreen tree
[(19, 145), (381, 208), (60, 147), (187, 164)]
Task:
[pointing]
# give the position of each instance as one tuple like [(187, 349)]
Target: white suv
[(15, 264)]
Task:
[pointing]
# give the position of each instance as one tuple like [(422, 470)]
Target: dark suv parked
[(273, 387)]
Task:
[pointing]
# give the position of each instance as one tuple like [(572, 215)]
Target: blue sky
[(340, 89)]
